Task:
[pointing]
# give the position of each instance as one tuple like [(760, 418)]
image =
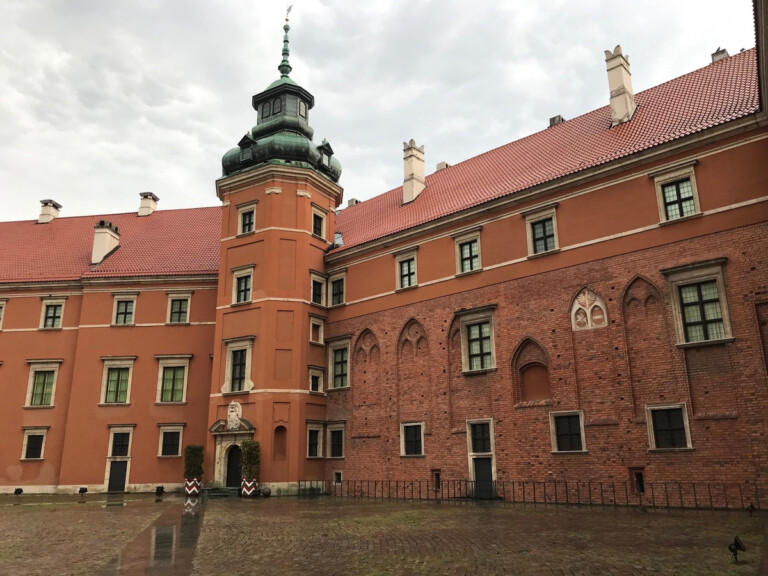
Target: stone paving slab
[(335, 538)]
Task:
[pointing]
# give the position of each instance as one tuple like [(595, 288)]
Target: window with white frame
[(246, 218), (668, 427), (178, 307), (699, 302), (116, 379), (237, 377), (316, 329), (338, 288), (52, 313), (242, 280), (317, 289), (33, 447), (468, 257), (318, 221), (173, 370), (412, 438), (169, 445), (541, 229), (480, 437), (405, 269), (120, 438), (477, 343), (41, 387), (567, 431), (335, 441), (338, 364), (315, 379), (676, 193), (314, 440), (3, 304), (124, 308)]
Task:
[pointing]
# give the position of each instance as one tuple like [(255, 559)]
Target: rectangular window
[(479, 346), (124, 312), (33, 449), (120, 443), (337, 291), (246, 221), (669, 427), (481, 437), (2, 312), (317, 224), (316, 330), (337, 443), (702, 316), (543, 235), (314, 442), (53, 315), (340, 367), (567, 432), (314, 382), (238, 371), (179, 311), (469, 255), (407, 273), (243, 288), (42, 388), (318, 287), (117, 386), (173, 384), (412, 439), (171, 443), (678, 199)]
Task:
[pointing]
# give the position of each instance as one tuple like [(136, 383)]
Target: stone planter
[(191, 487), (249, 488)]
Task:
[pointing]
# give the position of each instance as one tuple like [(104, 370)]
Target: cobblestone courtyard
[(56, 535)]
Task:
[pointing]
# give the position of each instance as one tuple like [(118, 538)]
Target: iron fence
[(684, 495)]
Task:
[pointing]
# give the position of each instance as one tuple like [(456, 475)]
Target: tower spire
[(285, 67)]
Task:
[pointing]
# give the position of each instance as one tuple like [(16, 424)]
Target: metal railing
[(692, 495)]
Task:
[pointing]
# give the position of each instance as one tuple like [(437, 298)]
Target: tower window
[(277, 105), (265, 110)]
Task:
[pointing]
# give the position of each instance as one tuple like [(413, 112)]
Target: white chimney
[(719, 54), (353, 202), (49, 210), (105, 240), (413, 170), (555, 120), (620, 84), (442, 166), (148, 203)]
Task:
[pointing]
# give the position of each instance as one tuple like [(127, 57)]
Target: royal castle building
[(588, 303)]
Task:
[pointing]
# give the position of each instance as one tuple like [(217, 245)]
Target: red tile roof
[(715, 94), (166, 243)]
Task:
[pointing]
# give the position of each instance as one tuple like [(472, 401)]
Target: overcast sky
[(101, 100)]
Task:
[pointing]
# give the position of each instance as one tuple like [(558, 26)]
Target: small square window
[(668, 427), (676, 193), (338, 295), (541, 229), (241, 288), (316, 330), (170, 443), (124, 312), (179, 309), (567, 431), (412, 439), (337, 477), (52, 314), (543, 236), (246, 221), (336, 442), (34, 444)]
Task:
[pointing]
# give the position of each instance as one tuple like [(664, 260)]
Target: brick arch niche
[(530, 371), (588, 311)]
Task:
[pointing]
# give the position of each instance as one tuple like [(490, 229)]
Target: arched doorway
[(234, 468)]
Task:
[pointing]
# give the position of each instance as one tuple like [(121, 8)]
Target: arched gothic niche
[(530, 372), (588, 311), (413, 341)]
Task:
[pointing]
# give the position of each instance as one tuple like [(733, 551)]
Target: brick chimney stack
[(620, 84), (413, 171)]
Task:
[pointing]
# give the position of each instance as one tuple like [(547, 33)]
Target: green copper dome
[(282, 134)]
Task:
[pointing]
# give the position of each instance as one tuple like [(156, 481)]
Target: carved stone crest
[(234, 413)]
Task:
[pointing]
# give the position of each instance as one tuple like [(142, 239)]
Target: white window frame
[(470, 317), (403, 426), (649, 409), (333, 428), (537, 215), (241, 272), (179, 296), (472, 455), (319, 429), (52, 302), (316, 321), (553, 431), (3, 307), (319, 372), (697, 273), (42, 366), (116, 362), (172, 361), (244, 343), (668, 175), (242, 209), (463, 238), (117, 429), (34, 431), (331, 278), (404, 257), (124, 297), (170, 428), (323, 214), (332, 347), (315, 277)]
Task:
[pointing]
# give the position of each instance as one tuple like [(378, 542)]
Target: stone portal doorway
[(234, 467)]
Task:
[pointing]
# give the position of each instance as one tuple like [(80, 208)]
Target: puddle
[(166, 547)]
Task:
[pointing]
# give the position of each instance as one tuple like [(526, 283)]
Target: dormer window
[(265, 110), (277, 105), (325, 159), (302, 109)]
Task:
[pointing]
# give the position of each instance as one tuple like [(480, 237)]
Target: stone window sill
[(243, 234), (404, 288), (662, 450), (234, 392), (177, 323), (49, 328), (570, 452), (545, 253), (31, 459), (533, 403), (38, 407), (243, 303), (338, 388), (706, 343), (168, 456), (468, 272), (109, 404), (479, 372), (182, 403), (681, 219), (413, 456), (114, 325)]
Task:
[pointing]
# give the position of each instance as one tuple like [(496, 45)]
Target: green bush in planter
[(193, 462), (251, 459)]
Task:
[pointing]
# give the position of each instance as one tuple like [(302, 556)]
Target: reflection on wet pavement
[(166, 547)]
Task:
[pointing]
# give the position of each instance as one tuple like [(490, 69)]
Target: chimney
[(352, 202), (105, 240), (49, 210), (413, 170), (148, 203), (442, 166), (555, 120), (719, 54), (620, 84)]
